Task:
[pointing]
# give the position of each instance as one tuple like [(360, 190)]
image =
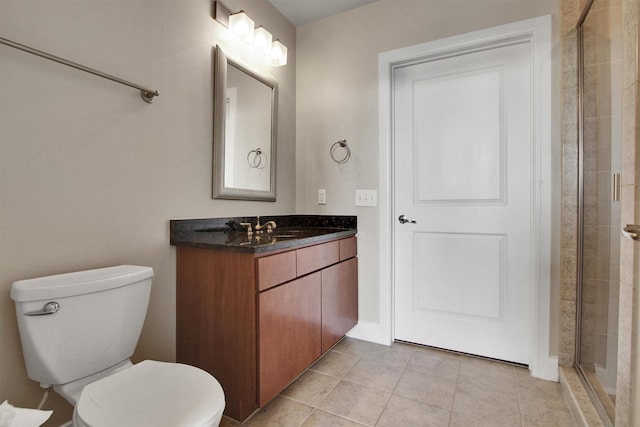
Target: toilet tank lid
[(78, 283)]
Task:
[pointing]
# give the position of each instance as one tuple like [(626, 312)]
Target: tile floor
[(360, 383)]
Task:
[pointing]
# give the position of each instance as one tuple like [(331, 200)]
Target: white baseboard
[(369, 331), (547, 368)]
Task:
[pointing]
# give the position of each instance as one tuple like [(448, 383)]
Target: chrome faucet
[(270, 225)]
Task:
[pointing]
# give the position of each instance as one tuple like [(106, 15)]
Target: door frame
[(536, 31)]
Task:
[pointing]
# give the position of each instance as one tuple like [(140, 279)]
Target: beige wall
[(89, 173), (337, 95)]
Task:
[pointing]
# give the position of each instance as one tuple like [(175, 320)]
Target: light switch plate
[(322, 196), (366, 197)]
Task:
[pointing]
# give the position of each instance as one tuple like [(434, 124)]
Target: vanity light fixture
[(278, 54), (262, 41), (241, 27)]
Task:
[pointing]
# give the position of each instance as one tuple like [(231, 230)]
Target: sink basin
[(300, 233), (292, 233), (241, 238)]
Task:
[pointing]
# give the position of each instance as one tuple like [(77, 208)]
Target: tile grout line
[(515, 382), (518, 396), (392, 393), (308, 416), (340, 378), (455, 390), (360, 358)]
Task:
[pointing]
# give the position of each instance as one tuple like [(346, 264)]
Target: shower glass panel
[(600, 37)]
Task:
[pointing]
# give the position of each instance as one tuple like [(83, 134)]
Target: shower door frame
[(580, 234)]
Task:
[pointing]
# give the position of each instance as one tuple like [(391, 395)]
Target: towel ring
[(256, 160), (347, 151)]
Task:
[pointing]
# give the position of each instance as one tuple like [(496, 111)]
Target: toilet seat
[(151, 394)]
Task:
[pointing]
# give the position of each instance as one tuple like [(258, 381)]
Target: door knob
[(404, 220)]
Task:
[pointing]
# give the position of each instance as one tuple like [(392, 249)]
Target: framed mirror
[(244, 131)]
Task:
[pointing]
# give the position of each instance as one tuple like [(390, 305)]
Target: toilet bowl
[(151, 394), (78, 331)]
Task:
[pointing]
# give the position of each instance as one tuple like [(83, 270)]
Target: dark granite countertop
[(291, 231)]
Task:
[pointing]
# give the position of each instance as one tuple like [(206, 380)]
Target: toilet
[(78, 331)]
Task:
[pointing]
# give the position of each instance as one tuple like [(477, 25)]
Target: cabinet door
[(339, 301), (289, 333)]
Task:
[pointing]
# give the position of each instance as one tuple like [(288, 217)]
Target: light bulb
[(278, 54), (241, 27), (262, 40)]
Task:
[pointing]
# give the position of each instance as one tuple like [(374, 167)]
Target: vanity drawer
[(316, 257), (276, 269), (348, 248)]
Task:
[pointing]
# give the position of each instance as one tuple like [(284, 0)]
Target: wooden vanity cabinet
[(338, 301), (216, 321), (289, 333), (256, 321)]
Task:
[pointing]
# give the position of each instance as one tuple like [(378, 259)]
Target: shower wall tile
[(569, 267), (597, 143), (569, 210), (590, 237), (567, 331), (570, 11), (629, 42), (567, 290), (627, 353), (570, 136), (569, 238), (623, 404), (566, 359), (570, 169), (603, 254), (605, 136), (627, 346), (592, 209), (625, 333), (589, 291), (630, 174), (627, 247), (603, 92), (590, 102)]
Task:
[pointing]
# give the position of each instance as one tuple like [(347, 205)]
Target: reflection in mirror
[(244, 132)]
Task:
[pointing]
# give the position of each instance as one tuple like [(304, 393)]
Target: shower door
[(600, 37)]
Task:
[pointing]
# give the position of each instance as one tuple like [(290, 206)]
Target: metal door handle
[(49, 308), (631, 231), (404, 220)]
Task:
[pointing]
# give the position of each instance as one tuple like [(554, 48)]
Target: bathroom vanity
[(256, 310)]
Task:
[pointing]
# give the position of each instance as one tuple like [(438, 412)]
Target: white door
[(463, 172)]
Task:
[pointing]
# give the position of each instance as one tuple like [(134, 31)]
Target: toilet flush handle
[(49, 308)]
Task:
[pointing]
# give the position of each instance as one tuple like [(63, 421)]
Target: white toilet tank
[(96, 325)]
